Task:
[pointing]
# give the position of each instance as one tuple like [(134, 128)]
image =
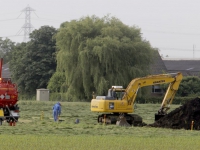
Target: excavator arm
[(173, 79), (170, 93)]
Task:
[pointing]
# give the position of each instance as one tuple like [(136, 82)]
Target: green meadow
[(37, 130)]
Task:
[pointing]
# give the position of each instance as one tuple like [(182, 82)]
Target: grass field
[(34, 132)]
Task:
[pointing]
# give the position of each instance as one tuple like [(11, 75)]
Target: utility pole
[(27, 27), (193, 50)]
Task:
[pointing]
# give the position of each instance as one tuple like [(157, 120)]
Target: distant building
[(188, 67), (158, 66)]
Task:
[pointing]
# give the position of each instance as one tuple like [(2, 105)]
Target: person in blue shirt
[(56, 111)]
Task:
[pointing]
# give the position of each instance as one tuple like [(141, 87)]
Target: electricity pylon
[(27, 27)]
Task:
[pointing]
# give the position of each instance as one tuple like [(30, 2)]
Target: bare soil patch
[(182, 117)]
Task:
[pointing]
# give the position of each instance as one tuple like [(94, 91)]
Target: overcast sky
[(172, 26)]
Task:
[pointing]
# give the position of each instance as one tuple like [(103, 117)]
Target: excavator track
[(132, 119)]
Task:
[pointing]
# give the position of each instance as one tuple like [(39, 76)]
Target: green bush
[(189, 86), (26, 97)]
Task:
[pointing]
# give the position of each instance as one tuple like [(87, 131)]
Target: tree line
[(82, 56)]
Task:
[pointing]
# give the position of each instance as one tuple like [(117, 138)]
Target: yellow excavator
[(120, 102)]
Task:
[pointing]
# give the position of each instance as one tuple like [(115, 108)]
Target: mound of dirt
[(182, 117)]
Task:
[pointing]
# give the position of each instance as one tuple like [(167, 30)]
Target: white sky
[(172, 26)]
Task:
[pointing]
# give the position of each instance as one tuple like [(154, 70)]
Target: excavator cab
[(116, 92)]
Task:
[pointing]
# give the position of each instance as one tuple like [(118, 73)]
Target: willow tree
[(96, 53)]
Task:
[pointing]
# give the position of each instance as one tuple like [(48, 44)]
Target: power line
[(47, 20), (40, 19), (9, 19), (3, 14), (167, 32), (175, 49), (10, 36)]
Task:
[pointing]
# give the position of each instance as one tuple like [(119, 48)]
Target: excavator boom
[(173, 79)]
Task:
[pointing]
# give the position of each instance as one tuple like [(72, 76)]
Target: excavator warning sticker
[(160, 81)]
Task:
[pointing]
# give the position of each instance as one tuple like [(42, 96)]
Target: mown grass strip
[(87, 142)]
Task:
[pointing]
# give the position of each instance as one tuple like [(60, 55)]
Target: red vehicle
[(9, 110)]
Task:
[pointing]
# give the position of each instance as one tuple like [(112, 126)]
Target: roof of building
[(184, 65), (187, 67), (158, 66)]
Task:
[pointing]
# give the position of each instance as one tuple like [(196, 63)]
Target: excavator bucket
[(122, 121)]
